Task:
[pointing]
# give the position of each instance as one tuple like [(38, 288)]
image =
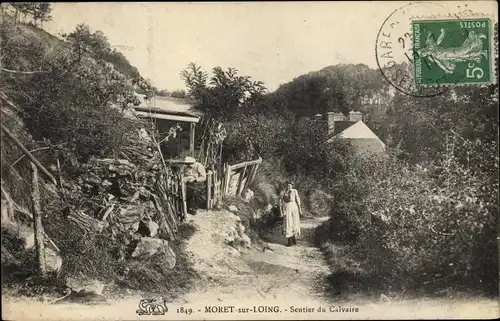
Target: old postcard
[(249, 160)]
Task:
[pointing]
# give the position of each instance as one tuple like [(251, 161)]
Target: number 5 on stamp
[(452, 52)]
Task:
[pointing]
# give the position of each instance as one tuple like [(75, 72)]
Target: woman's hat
[(189, 160)]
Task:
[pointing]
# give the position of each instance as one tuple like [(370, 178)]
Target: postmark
[(406, 58)]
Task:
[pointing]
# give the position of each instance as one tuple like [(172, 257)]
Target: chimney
[(331, 118), (355, 116)]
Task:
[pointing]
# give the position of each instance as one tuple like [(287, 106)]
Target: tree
[(92, 43), (96, 44), (163, 93), (339, 88), (41, 12), (195, 80), (227, 92), (178, 94)]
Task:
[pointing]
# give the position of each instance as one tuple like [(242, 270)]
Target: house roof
[(356, 131), (342, 125), (167, 108)]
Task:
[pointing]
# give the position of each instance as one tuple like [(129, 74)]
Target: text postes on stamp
[(452, 51)]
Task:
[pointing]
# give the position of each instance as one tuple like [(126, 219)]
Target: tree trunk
[(37, 222)]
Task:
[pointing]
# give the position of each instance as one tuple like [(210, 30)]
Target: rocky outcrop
[(21, 239), (235, 235), (147, 247)]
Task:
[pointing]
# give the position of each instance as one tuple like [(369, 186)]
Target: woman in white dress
[(291, 211)]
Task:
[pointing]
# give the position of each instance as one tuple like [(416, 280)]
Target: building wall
[(367, 146)]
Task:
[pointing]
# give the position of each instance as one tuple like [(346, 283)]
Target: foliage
[(85, 119), (96, 44), (211, 144), (39, 11), (178, 94), (307, 151), (251, 135), (415, 124), (226, 92), (432, 224), (338, 88)]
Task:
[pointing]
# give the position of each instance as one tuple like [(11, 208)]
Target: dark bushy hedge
[(422, 226)]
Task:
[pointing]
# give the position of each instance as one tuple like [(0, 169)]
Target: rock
[(233, 208), (245, 241), (81, 284), (53, 261), (29, 241), (148, 246), (148, 228), (130, 216), (248, 194), (229, 240)]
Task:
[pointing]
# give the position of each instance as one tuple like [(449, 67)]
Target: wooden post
[(27, 153), (37, 222), (254, 172), (239, 188), (209, 189), (250, 174), (183, 197), (228, 179), (191, 138)]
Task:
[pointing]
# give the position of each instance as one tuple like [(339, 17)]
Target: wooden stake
[(254, 173), (27, 153), (209, 189), (249, 176), (240, 183), (191, 139), (228, 178), (37, 222)]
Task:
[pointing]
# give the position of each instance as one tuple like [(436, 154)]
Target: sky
[(270, 41)]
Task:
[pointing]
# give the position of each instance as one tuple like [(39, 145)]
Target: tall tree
[(226, 93)]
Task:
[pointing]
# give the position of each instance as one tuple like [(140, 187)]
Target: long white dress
[(290, 203)]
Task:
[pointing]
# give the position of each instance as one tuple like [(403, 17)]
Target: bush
[(417, 226)]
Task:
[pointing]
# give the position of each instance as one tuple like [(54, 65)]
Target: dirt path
[(271, 276), (248, 280)]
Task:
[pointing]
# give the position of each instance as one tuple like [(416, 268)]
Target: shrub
[(431, 225)]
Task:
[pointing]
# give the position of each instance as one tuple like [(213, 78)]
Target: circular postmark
[(396, 54)]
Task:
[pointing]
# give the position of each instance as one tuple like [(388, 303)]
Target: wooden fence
[(229, 180), (176, 192)]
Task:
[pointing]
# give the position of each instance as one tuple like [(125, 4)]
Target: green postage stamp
[(454, 51)]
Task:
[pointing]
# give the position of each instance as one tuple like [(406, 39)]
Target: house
[(354, 129), (167, 113)]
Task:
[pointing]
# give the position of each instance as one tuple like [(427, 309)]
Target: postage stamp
[(452, 51), (423, 48)]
